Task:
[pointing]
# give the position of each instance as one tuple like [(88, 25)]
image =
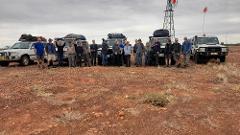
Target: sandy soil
[(204, 99)]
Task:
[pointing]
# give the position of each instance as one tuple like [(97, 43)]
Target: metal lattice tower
[(168, 19)]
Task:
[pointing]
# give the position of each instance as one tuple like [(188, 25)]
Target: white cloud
[(135, 18)]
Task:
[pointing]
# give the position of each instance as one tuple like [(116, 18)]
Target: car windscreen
[(21, 45), (207, 40), (111, 42), (161, 40)]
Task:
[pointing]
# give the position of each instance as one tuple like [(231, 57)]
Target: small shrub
[(236, 88), (217, 90), (221, 78), (156, 99), (39, 91), (70, 116)]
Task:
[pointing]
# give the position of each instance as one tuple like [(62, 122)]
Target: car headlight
[(7, 53), (202, 49), (13, 53), (224, 50)]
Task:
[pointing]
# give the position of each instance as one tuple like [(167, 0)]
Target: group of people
[(179, 53), (75, 51), (122, 52), (81, 51)]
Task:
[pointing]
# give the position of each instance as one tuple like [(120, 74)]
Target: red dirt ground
[(204, 99)]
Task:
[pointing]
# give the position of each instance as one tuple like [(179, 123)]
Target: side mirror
[(222, 43)]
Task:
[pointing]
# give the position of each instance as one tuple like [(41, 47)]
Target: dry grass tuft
[(39, 91), (227, 73), (156, 99), (70, 116), (220, 78), (236, 88), (3, 133)]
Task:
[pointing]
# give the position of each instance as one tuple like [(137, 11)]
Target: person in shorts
[(177, 50), (39, 51), (168, 53), (51, 52)]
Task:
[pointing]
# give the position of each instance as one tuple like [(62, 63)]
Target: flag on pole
[(174, 2), (205, 10)]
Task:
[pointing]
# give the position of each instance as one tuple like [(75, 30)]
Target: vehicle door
[(194, 46), (32, 53)]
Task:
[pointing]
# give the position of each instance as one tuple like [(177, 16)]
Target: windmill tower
[(168, 19)]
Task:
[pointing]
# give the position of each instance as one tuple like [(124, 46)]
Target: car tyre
[(197, 59), (25, 61), (4, 64), (223, 59)]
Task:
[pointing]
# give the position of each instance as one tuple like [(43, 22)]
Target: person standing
[(135, 50), (156, 51), (147, 54), (128, 52), (79, 54), (177, 49), (60, 45), (116, 54), (186, 49), (39, 51), (104, 53), (139, 52), (122, 56), (71, 55), (168, 53), (93, 49), (51, 52), (86, 53)]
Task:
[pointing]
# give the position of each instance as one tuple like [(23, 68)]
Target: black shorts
[(168, 56)]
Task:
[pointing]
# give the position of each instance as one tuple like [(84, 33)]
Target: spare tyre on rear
[(161, 33), (116, 36)]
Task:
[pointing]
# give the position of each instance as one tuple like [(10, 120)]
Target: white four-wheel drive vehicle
[(22, 52), (207, 47)]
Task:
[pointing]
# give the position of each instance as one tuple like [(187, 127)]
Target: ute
[(208, 47), (162, 36), (111, 39)]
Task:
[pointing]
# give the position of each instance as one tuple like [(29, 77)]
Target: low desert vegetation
[(39, 91), (156, 99)]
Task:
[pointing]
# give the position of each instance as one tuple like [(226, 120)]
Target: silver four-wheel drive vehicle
[(22, 52), (208, 47)]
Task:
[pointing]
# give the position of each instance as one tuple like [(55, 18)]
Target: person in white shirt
[(127, 53)]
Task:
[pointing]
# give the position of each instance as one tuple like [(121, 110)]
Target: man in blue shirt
[(39, 51), (186, 49)]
